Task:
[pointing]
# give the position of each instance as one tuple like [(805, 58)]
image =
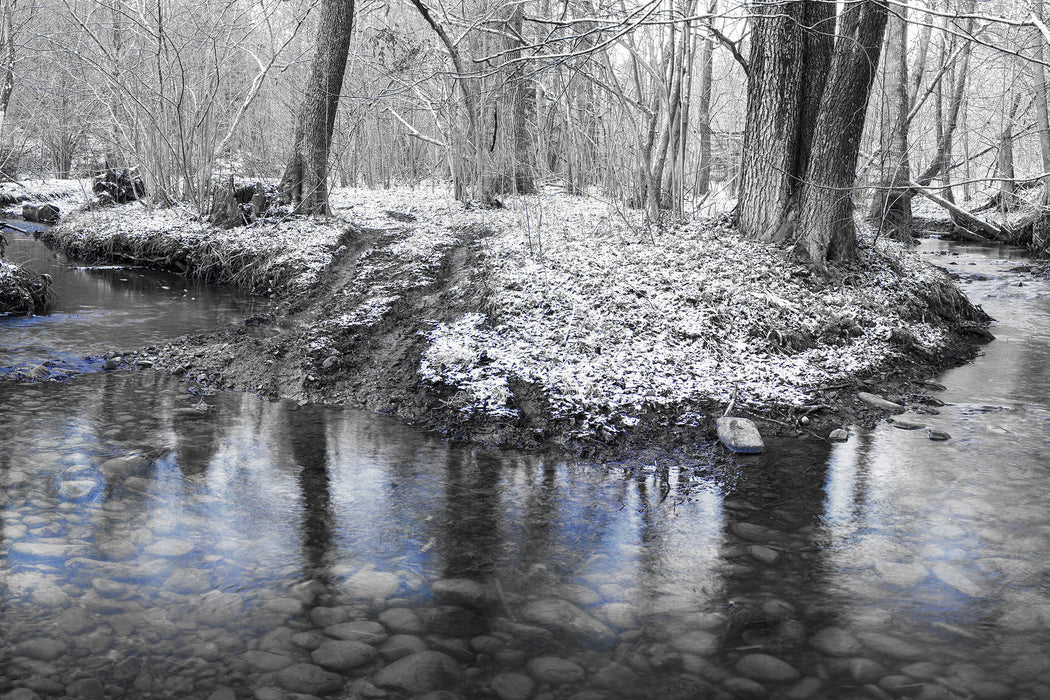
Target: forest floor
[(552, 321)]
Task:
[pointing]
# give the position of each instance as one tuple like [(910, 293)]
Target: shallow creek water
[(104, 308), (266, 550)]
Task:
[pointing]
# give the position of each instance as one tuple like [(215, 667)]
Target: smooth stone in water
[(956, 579), (835, 641), (401, 645), (266, 661), (309, 679), (900, 686), (697, 642), (358, 631), (804, 689), (326, 617), (170, 548), (763, 554), (554, 670), (340, 655), (838, 435), (76, 488), (621, 680), (512, 686), (739, 435), (619, 615), (41, 649), (763, 667), (86, 689), (744, 688), (368, 585), (420, 673), (453, 621), (903, 575), (891, 646), (464, 591), (938, 435), (562, 616), (402, 621)]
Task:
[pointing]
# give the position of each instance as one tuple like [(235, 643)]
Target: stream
[(154, 546)]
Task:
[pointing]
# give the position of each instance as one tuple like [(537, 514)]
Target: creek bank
[(553, 321), (23, 292)]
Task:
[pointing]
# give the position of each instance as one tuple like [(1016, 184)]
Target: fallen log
[(969, 225)]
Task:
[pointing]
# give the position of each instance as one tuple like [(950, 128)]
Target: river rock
[(326, 617), (880, 403), (266, 661), (41, 649), (938, 435), (891, 646), (86, 689), (309, 679), (358, 631), (903, 575), (838, 435), (746, 688), (420, 673), (170, 548), (560, 615), (622, 680), (900, 686), (512, 686), (619, 615), (555, 671), (696, 642), (453, 621), (75, 621), (763, 554), (763, 667), (464, 591), (75, 489), (906, 424), (20, 694), (340, 655), (46, 550), (188, 581), (739, 435), (402, 621), (401, 645), (956, 579), (804, 689), (368, 585), (835, 641)]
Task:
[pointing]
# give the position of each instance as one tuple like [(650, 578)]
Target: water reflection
[(101, 309)]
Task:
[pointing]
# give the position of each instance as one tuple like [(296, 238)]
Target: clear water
[(220, 557), (104, 309)]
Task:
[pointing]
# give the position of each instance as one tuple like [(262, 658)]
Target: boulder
[(739, 435), (561, 616)]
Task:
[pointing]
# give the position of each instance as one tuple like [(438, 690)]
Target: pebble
[(402, 621), (401, 645), (358, 631), (465, 592), (697, 642)]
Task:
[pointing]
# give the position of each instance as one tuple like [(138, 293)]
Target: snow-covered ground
[(613, 318)]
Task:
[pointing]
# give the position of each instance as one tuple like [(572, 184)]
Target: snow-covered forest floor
[(567, 306)]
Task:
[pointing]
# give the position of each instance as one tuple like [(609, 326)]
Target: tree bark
[(305, 177), (891, 206), (826, 212)]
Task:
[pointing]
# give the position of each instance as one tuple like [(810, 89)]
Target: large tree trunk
[(1004, 157), (1041, 115), (826, 212), (305, 177)]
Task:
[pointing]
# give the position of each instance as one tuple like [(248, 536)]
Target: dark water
[(149, 550), (107, 308)]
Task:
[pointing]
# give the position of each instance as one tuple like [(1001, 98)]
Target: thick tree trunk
[(891, 205), (790, 53), (305, 177), (826, 212), (1041, 114)]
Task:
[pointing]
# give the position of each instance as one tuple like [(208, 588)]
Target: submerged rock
[(560, 615), (420, 673)]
